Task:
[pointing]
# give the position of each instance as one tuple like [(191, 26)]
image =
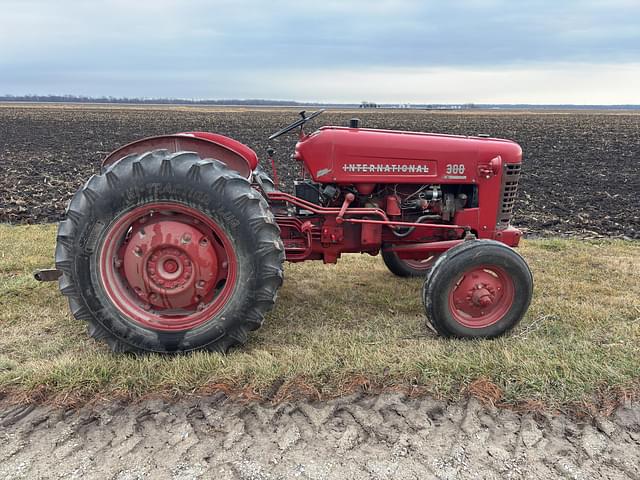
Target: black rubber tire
[(263, 180), (207, 185), (400, 268), (446, 271)]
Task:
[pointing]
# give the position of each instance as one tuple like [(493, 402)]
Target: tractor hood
[(346, 155)]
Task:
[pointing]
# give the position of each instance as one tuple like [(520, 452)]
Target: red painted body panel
[(240, 148), (357, 155), (208, 145)]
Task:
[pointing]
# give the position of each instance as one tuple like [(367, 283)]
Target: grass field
[(353, 325)]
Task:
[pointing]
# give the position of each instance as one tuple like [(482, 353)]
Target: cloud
[(195, 48), (583, 84)]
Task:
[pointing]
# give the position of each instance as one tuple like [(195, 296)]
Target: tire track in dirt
[(357, 437)]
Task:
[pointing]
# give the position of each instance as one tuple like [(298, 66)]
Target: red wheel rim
[(167, 266), (481, 296), (425, 264)]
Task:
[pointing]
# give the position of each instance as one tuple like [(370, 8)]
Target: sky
[(403, 51)]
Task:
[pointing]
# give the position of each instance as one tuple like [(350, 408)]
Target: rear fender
[(236, 155)]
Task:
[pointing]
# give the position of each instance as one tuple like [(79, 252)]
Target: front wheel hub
[(481, 296)]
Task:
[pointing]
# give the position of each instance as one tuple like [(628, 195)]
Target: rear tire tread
[(228, 183)]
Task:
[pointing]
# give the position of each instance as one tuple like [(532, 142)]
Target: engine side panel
[(355, 155)]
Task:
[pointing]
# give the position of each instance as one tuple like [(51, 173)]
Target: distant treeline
[(292, 103), (155, 101)]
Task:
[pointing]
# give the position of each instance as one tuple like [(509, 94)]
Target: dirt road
[(352, 438)]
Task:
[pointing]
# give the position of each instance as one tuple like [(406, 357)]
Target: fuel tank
[(347, 156)]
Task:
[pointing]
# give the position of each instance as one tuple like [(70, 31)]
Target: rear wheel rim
[(167, 266), (481, 296)]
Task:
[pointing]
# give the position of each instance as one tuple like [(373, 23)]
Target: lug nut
[(201, 284), (186, 238), (138, 251)]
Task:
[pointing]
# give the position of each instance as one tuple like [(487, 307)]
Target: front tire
[(167, 252), (478, 289)]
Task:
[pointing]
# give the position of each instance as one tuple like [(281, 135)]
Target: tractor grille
[(509, 189)]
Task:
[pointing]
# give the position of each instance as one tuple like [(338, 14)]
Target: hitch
[(47, 275)]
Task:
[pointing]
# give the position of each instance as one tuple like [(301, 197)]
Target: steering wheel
[(297, 123)]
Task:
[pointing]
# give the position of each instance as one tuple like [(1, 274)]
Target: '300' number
[(455, 168)]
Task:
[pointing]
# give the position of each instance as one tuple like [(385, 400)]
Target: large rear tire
[(167, 252), (478, 289)]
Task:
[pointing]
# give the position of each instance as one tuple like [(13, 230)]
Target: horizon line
[(108, 99)]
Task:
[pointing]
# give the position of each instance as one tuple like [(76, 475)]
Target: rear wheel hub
[(175, 267), (167, 266)]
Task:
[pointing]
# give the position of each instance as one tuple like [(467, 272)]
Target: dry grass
[(345, 326)]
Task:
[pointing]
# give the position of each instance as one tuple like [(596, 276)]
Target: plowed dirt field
[(581, 171)]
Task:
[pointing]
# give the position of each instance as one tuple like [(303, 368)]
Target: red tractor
[(179, 243)]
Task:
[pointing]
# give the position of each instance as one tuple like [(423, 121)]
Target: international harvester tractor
[(179, 243)]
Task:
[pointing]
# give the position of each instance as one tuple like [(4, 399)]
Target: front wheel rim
[(481, 296), (167, 266)]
